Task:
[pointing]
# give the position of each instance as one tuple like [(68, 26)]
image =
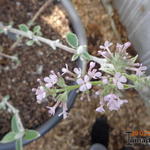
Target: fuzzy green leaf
[(14, 124), (134, 59), (61, 82), (31, 134), (36, 29), (23, 27), (9, 137), (72, 40), (86, 56), (127, 86), (30, 42), (1, 30), (74, 57), (62, 97)]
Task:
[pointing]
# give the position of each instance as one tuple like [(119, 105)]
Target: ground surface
[(74, 132)]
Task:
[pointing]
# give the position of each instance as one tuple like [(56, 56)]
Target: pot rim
[(54, 120)]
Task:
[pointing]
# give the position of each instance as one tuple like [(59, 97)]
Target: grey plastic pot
[(135, 16), (53, 121)]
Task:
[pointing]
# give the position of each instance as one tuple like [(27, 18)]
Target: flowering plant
[(118, 71)]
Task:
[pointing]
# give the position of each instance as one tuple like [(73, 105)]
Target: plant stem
[(73, 87), (19, 144), (57, 44), (7, 56), (15, 112), (39, 38)]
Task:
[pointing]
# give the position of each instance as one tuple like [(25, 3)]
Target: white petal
[(117, 75), (86, 78), (123, 79), (83, 88), (47, 79), (80, 81), (88, 85), (92, 64), (102, 47), (49, 85), (119, 85), (100, 109), (98, 74), (77, 71)]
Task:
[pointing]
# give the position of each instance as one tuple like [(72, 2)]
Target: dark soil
[(36, 61)]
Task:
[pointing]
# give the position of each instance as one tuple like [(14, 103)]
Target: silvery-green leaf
[(132, 77), (1, 30), (62, 97), (75, 57), (6, 98), (30, 42), (37, 29), (15, 124), (127, 86), (86, 56), (31, 134), (72, 40), (134, 59), (61, 82), (9, 137), (23, 27)]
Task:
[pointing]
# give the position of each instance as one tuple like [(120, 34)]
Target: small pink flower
[(114, 102), (92, 65), (119, 79), (106, 45), (40, 93), (141, 70), (51, 110), (104, 80), (105, 54), (123, 48), (78, 72), (66, 69), (93, 73), (64, 110), (51, 80), (100, 109), (84, 84)]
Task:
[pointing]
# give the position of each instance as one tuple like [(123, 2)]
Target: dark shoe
[(100, 132)]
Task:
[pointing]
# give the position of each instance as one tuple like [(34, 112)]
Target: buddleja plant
[(118, 71)]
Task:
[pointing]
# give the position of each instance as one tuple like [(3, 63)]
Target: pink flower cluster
[(50, 81), (84, 81), (112, 101), (92, 73), (121, 49), (40, 92)]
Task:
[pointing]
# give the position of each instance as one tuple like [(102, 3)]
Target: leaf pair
[(17, 132), (12, 136)]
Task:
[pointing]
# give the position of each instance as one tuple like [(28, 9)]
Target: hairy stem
[(15, 112), (49, 42), (7, 56)]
